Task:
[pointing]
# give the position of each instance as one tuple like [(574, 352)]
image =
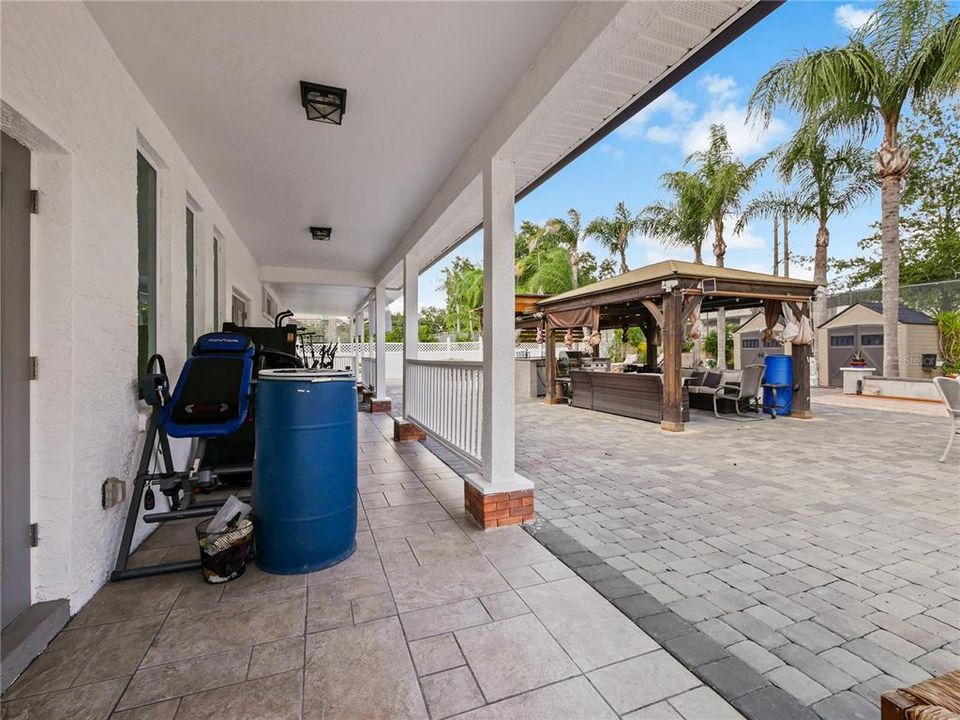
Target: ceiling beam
[(342, 278)]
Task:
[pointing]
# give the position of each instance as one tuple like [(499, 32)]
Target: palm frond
[(838, 84), (934, 70)]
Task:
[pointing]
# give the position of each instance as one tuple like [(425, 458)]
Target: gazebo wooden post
[(672, 346), (800, 354), (550, 358)]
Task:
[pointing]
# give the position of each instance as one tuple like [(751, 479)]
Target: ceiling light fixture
[(321, 233), (323, 103)]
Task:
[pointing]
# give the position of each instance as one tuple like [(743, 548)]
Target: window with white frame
[(239, 308), (147, 200), (268, 303)]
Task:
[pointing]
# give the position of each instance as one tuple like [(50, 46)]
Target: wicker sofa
[(636, 395), (703, 386)]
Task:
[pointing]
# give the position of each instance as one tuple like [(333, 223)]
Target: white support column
[(357, 337), (497, 451), (380, 313), (411, 317)]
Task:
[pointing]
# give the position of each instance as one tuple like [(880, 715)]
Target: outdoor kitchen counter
[(636, 395)]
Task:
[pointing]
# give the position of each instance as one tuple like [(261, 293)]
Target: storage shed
[(749, 347), (859, 329)]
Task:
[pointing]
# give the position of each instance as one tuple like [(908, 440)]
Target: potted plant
[(858, 360)]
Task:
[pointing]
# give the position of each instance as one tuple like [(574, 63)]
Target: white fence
[(368, 372), (450, 351), (444, 398)]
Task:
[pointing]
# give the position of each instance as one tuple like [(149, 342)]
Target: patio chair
[(744, 392), (949, 389)]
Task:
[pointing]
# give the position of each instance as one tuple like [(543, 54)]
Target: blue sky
[(627, 164)]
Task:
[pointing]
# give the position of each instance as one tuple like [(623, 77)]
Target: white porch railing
[(368, 371), (444, 398)]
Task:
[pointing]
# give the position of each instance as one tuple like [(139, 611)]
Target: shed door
[(845, 342), (870, 343), (842, 344), (749, 349), (753, 349)]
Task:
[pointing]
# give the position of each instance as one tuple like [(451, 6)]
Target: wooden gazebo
[(663, 297)]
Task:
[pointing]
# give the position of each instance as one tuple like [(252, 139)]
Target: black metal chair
[(744, 393)]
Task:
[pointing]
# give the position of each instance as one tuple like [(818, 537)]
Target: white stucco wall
[(66, 96)]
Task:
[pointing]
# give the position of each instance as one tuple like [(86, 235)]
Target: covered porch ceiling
[(428, 102)]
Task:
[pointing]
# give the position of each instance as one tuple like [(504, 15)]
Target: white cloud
[(746, 139), (669, 105), (663, 133), (721, 88), (673, 119), (747, 239), (614, 152), (850, 17)]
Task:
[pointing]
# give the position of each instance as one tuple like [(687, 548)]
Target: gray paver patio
[(420, 622), (823, 553)]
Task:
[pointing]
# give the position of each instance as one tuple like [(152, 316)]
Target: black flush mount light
[(323, 103), (322, 234)]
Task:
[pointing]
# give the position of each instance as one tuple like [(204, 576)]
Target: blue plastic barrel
[(779, 370), (305, 469)]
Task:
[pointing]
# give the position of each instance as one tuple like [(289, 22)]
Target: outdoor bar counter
[(636, 395)]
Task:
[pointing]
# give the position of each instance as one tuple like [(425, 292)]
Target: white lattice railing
[(368, 371), (345, 349), (444, 398)]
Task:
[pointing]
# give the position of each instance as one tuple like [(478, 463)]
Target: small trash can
[(224, 555)]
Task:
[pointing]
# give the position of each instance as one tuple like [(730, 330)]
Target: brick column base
[(498, 509), (380, 406), (406, 430)]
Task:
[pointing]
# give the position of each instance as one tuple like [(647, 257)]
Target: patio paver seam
[(576, 558)]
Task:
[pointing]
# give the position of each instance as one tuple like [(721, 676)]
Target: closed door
[(14, 378), (846, 343), (870, 344), (753, 350), (841, 346)]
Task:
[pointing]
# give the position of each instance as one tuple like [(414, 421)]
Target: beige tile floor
[(430, 618)]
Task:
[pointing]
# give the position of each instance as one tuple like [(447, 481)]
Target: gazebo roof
[(653, 275)]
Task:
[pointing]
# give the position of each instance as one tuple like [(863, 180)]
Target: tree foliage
[(726, 179), (614, 232), (908, 52), (930, 221), (683, 221)]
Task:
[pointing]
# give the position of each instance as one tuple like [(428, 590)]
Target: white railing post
[(411, 319)]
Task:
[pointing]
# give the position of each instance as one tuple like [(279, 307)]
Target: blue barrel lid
[(307, 375)]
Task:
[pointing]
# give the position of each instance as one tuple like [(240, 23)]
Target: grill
[(579, 360)]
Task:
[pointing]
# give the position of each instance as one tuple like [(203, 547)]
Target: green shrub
[(948, 327)]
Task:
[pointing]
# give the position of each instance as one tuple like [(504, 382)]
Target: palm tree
[(463, 285), (831, 181), (546, 272), (683, 222), (569, 234), (908, 50), (614, 233), (726, 179)]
